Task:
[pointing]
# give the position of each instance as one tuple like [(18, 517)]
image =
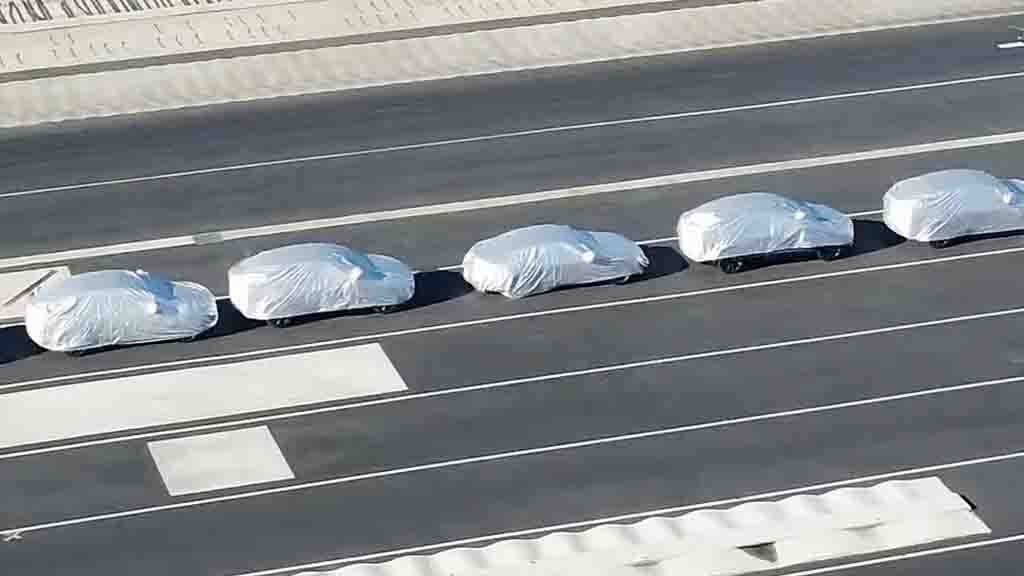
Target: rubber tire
[(280, 322), (940, 244), (830, 253), (732, 265)]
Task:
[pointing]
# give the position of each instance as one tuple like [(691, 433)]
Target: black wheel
[(385, 309), (731, 265), (623, 280), (939, 244), (829, 253), (280, 322)]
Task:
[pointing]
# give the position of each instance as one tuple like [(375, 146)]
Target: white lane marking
[(520, 199), (220, 460), (640, 515), (498, 456), (518, 134), (199, 393), (1005, 45), (909, 556), (516, 382), (508, 318)]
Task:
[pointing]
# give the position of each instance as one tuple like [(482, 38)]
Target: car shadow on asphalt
[(437, 286), (230, 321), (872, 235), (16, 345), (664, 261)]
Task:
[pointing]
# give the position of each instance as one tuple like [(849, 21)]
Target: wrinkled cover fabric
[(952, 203), (117, 307), (759, 223), (539, 258), (312, 278)]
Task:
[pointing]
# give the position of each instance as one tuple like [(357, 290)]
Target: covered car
[(540, 258), (729, 231), (280, 284), (939, 207), (117, 307)]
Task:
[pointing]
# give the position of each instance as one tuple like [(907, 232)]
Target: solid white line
[(518, 134), (638, 515), (528, 380), (507, 318), (1006, 45), (526, 198), (494, 457), (620, 186), (909, 556)]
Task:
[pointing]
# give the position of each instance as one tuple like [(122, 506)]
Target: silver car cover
[(759, 223), (116, 307), (311, 278), (539, 258), (952, 203)]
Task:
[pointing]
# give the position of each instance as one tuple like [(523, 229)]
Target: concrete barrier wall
[(748, 538)]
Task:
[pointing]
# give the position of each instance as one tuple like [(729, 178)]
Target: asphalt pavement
[(684, 387)]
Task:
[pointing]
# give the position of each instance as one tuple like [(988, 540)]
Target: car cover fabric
[(312, 278), (759, 223), (116, 307), (540, 258), (952, 203)]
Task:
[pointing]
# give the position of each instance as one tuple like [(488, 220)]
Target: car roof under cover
[(101, 281), (946, 182), (310, 253), (530, 236), (743, 204)]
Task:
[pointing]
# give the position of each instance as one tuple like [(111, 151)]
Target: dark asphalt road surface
[(813, 341)]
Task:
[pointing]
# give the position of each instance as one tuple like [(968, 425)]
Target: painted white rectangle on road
[(164, 398), (219, 460)]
